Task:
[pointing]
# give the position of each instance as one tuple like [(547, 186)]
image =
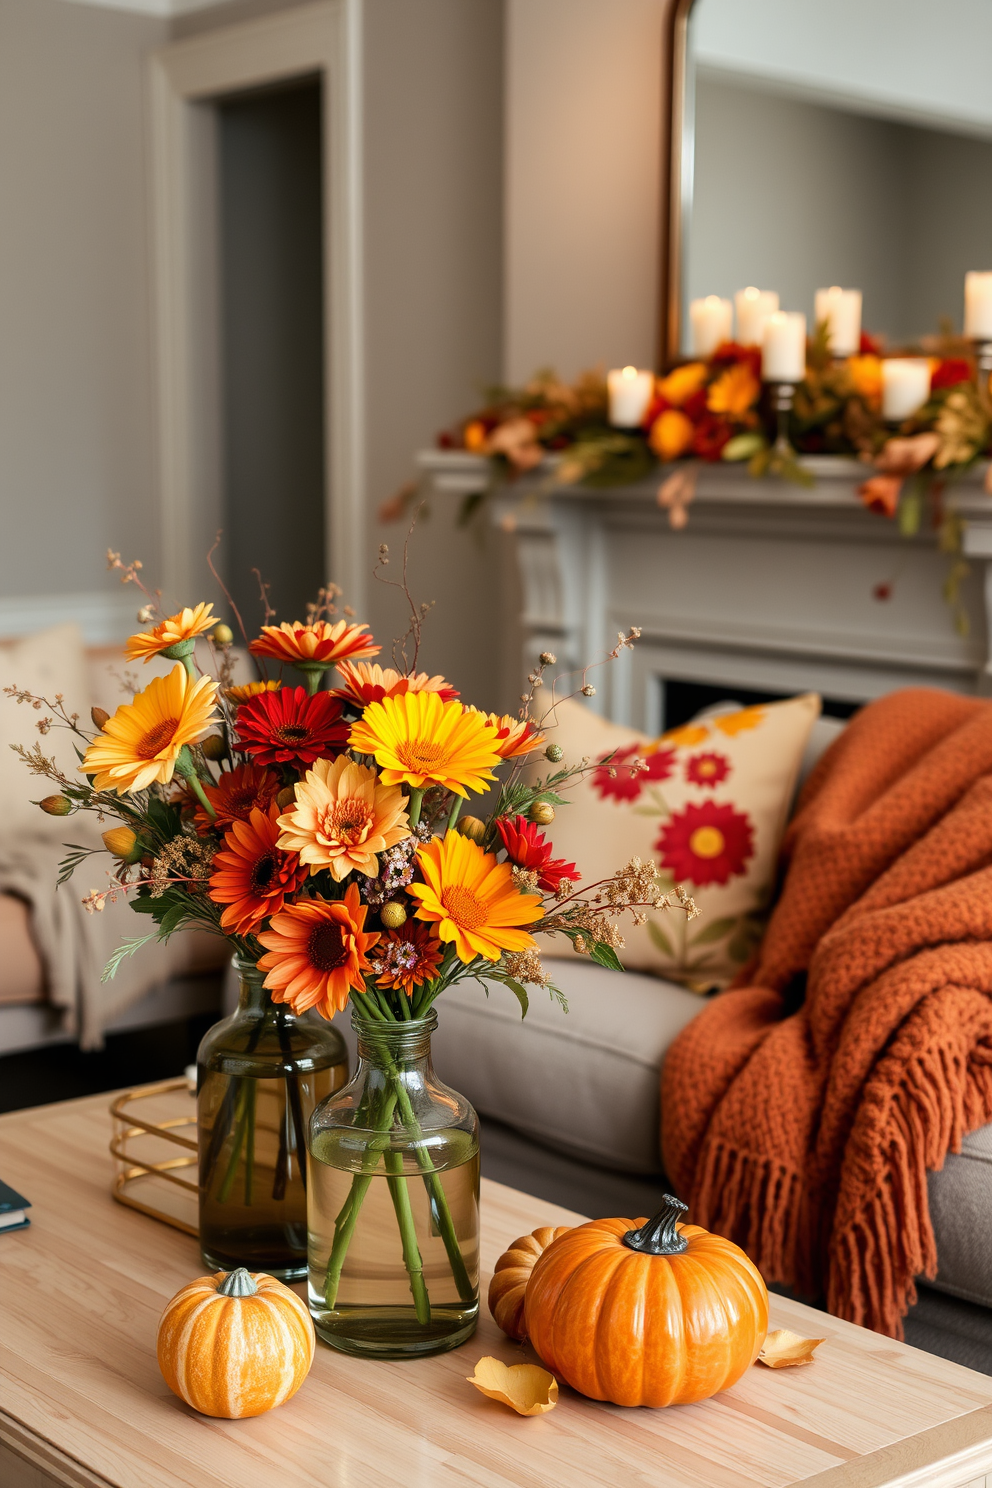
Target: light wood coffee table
[(82, 1402)]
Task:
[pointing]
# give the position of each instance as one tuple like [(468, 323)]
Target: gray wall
[(77, 466), (792, 196)]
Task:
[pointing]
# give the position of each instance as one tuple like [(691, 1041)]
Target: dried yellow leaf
[(525, 1388), (783, 1349)]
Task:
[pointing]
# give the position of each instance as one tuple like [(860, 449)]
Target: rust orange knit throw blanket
[(804, 1128)]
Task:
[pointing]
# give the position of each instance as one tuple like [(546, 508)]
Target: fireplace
[(770, 590)]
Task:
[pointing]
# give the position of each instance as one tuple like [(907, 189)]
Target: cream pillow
[(48, 662), (709, 810)]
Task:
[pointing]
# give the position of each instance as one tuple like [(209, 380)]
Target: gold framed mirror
[(817, 143)]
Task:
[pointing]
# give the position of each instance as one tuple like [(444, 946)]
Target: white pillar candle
[(630, 393), (753, 308), (978, 305), (841, 309), (905, 386), (783, 347), (711, 321)]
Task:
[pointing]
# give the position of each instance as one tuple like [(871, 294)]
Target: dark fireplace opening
[(681, 701)]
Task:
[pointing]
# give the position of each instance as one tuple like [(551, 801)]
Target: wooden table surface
[(82, 1401)]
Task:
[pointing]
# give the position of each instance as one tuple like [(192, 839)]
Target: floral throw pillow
[(708, 804)]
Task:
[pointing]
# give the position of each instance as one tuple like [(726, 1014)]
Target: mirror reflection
[(836, 143)]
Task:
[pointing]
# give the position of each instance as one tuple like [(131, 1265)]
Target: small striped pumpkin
[(235, 1344)]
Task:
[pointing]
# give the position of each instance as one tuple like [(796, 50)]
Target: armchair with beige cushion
[(52, 953)]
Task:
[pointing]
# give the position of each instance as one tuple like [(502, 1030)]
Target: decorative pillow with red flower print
[(707, 803)]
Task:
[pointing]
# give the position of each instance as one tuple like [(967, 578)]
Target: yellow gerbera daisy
[(418, 740), (185, 626), (141, 743), (473, 899), (246, 690), (342, 817)]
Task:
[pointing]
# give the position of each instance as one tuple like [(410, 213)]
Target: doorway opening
[(270, 174)]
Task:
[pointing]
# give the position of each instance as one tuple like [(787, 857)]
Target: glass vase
[(260, 1074), (394, 1202)]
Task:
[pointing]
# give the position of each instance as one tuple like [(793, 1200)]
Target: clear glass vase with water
[(393, 1202)]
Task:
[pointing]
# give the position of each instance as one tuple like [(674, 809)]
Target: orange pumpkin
[(661, 1314), (513, 1269), (235, 1344)]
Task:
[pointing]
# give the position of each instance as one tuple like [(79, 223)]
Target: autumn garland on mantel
[(719, 410)]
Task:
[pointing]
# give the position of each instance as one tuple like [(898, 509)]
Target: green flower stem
[(250, 1143), (412, 1259), (416, 802), (187, 769), (344, 1225), (455, 812), (439, 1199), (432, 1180), (227, 1182)]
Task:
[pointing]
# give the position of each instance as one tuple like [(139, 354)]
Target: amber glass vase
[(394, 1202), (260, 1074)]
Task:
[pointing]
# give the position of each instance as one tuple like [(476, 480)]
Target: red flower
[(730, 352), (252, 876), (711, 436), (406, 958), (234, 796), (289, 728), (694, 406), (706, 844), (615, 780), (529, 848), (869, 346), (949, 372), (707, 769)]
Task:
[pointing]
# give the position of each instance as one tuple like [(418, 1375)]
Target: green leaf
[(661, 940), (715, 931), (605, 955), (520, 993), (743, 446), (128, 948), (910, 513)]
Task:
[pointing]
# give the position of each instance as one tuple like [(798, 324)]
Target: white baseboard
[(103, 617)]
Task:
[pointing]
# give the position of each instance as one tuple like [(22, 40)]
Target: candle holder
[(783, 398), (983, 365)]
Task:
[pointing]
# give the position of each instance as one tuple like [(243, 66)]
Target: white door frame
[(326, 39)]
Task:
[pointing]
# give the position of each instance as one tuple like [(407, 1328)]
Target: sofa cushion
[(21, 976), (961, 1213), (585, 1081), (707, 803)]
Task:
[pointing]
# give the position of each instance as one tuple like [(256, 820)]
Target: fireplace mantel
[(771, 586)]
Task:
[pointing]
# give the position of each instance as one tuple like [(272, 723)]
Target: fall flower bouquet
[(320, 830)]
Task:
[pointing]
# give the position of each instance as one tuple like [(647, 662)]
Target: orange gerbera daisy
[(321, 642), (252, 876), (343, 816), (366, 682), (514, 736), (417, 740), (246, 690), (735, 391), (140, 745), (316, 953), (407, 958), (473, 899), (235, 795), (185, 626)]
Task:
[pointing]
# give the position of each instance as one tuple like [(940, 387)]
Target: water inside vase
[(253, 1201), (373, 1310)]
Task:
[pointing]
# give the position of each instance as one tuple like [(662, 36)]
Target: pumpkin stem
[(238, 1284), (659, 1235)]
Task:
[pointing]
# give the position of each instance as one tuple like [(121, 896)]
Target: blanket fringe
[(881, 1245), (754, 1201)]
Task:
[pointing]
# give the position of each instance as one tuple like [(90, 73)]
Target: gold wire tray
[(155, 1153)]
